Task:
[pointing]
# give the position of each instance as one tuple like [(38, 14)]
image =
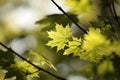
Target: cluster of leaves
[(93, 47), (99, 43), (15, 69)]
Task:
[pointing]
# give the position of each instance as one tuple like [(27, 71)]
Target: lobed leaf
[(59, 37), (74, 47), (96, 46)]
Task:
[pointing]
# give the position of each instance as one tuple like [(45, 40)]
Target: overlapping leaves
[(74, 47), (93, 47)]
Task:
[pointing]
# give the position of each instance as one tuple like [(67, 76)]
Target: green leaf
[(2, 74), (96, 46), (27, 68), (17, 72), (13, 78), (115, 47), (59, 37), (94, 39), (85, 10), (39, 58), (105, 67), (6, 58), (50, 20), (74, 47)]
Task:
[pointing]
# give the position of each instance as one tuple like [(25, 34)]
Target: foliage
[(94, 46), (99, 47), (49, 21), (85, 9), (40, 59), (15, 69), (2, 75), (60, 36), (74, 47), (6, 58)]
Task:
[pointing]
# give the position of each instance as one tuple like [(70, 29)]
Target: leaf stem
[(39, 68), (68, 16)]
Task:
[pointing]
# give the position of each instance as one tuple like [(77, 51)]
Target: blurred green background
[(20, 30)]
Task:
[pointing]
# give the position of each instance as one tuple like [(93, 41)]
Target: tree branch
[(39, 68), (114, 11), (68, 16)]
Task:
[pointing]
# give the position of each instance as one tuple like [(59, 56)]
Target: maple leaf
[(59, 37), (74, 47), (94, 39), (96, 45)]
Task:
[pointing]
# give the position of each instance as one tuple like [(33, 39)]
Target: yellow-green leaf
[(13, 78), (59, 37), (86, 11), (39, 58), (94, 39), (27, 68), (96, 46), (2, 74), (74, 47)]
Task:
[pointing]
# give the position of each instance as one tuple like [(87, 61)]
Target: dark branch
[(39, 68), (69, 16), (114, 11)]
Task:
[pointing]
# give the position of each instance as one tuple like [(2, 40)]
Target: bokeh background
[(19, 31)]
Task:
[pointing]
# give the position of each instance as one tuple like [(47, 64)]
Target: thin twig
[(69, 16), (114, 11), (39, 68)]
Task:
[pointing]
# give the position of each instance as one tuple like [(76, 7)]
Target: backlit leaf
[(74, 47), (27, 68), (39, 58), (96, 45), (59, 37)]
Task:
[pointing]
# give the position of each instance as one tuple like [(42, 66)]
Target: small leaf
[(115, 47), (13, 78), (2, 74), (39, 58), (50, 20), (106, 67), (74, 47), (17, 72), (6, 58), (27, 68), (59, 37)]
